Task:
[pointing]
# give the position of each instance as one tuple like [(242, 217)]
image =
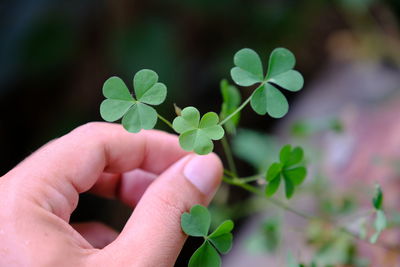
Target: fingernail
[(204, 173)]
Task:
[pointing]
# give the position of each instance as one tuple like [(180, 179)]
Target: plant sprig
[(197, 223), (197, 133)]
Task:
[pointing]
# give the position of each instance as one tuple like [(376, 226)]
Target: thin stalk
[(236, 111), (251, 178), (229, 156), (167, 122), (239, 183)]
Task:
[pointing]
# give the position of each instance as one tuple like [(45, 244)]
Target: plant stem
[(167, 122), (236, 111), (229, 156), (240, 183), (251, 178)]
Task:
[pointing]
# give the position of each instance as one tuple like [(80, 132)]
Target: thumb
[(153, 235)]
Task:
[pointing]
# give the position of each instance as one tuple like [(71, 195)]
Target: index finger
[(73, 163)]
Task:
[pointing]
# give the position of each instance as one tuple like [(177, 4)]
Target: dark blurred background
[(55, 56)]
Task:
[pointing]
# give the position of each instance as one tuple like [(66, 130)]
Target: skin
[(144, 170)]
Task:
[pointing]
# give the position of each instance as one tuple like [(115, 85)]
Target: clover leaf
[(380, 221), (231, 101), (196, 134), (197, 223), (289, 168), (378, 198), (267, 98), (136, 113), (222, 237)]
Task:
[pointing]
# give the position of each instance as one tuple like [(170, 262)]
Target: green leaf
[(289, 187), (197, 222), (296, 175), (268, 99), (209, 125), (197, 134), (380, 221), (140, 116), (296, 156), (119, 99), (222, 237), (378, 198), (274, 171), (248, 70), (195, 141), (281, 60), (285, 153), (205, 256), (115, 88), (188, 120), (231, 101), (272, 187), (291, 80), (280, 70), (112, 110), (374, 237), (147, 89), (135, 114), (380, 224)]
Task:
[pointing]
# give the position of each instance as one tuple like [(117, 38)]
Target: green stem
[(167, 122), (240, 183), (252, 178), (236, 111), (229, 156)]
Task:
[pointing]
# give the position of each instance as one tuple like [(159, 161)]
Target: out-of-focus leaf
[(231, 101)]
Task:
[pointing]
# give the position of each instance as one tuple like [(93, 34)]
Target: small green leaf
[(248, 70), (147, 89), (115, 88), (274, 171), (374, 237), (380, 224), (296, 156), (112, 109), (280, 70), (197, 134), (205, 256), (267, 99), (231, 101), (380, 221), (118, 101), (285, 153), (272, 187), (197, 222), (222, 237), (291, 80), (281, 60), (188, 120), (289, 188), (378, 198), (296, 175), (139, 116)]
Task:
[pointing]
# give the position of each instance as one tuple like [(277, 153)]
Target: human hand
[(39, 195)]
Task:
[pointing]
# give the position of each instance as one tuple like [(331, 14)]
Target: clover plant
[(197, 133), (197, 223)]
